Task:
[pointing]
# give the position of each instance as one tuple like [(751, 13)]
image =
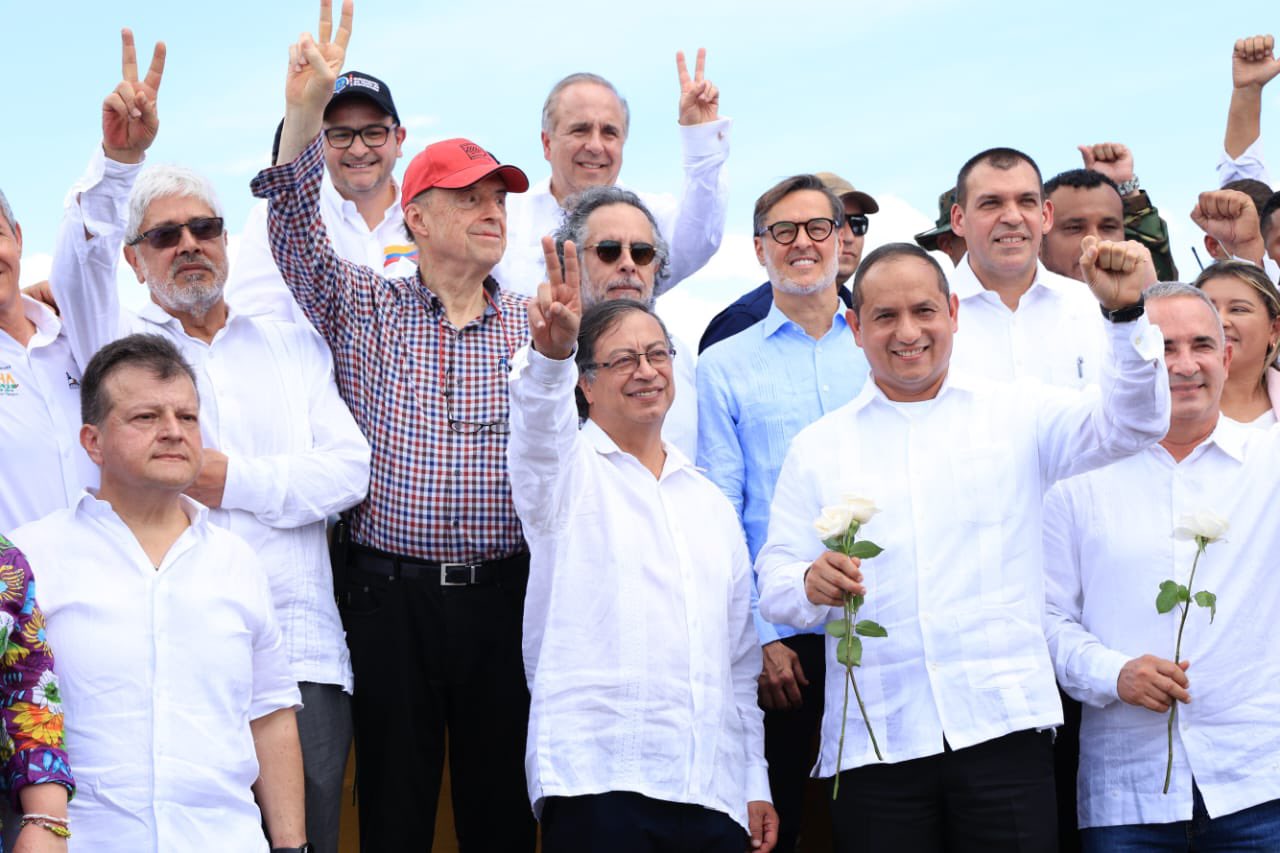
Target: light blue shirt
[(756, 390)]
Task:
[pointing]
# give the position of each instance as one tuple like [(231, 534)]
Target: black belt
[(445, 574)]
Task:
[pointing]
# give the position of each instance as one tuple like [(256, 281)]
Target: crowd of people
[(424, 470)]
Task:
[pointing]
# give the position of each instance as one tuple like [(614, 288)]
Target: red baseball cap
[(454, 164)]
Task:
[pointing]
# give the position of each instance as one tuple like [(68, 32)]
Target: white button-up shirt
[(255, 284), (638, 642), (161, 671), (45, 468), (267, 400), (1057, 335), (692, 225), (1108, 546), (959, 480)]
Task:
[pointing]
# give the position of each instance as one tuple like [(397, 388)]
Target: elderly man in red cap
[(436, 566)]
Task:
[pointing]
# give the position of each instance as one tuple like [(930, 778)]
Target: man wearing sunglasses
[(622, 255), (585, 123), (752, 307), (282, 451), (359, 199), (756, 390)]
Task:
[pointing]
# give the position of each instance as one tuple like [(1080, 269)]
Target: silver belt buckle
[(444, 574)]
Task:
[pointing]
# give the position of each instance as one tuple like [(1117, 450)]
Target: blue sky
[(893, 96)]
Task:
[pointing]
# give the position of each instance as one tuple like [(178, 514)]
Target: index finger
[(700, 67), (326, 21), (128, 56), (681, 69)]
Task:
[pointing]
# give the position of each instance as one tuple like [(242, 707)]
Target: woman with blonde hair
[(1249, 304)]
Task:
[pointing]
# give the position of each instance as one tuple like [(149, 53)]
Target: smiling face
[(622, 279), (621, 401), (1196, 358), (149, 440), (462, 233), (1250, 329), (805, 266), (360, 171), (1079, 212), (905, 327), (1002, 221), (186, 278), (584, 147)]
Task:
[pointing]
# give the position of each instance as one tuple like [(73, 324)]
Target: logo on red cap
[(475, 152)]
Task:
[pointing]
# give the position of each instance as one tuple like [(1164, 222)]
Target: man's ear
[(131, 256), (91, 441)]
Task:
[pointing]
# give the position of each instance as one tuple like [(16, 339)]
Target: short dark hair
[(1080, 179), (1256, 190), (997, 158), (1264, 215), (581, 206), (596, 322), (151, 352), (889, 252), (786, 187)]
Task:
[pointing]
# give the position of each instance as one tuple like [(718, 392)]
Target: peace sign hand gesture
[(314, 63), (129, 118), (699, 99), (555, 312)]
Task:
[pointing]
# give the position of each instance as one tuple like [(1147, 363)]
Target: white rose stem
[(1201, 542)]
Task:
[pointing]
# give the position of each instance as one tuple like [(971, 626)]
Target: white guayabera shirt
[(1108, 545), (639, 646), (959, 587)]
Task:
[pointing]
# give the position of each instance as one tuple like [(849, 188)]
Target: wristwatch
[(1125, 313), (307, 847)]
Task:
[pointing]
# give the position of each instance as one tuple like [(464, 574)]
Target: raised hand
[(1110, 158), (1117, 273), (129, 118), (1230, 217), (699, 98), (314, 63), (555, 312), (1253, 63)]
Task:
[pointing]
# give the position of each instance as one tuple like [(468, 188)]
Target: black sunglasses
[(608, 251), (167, 236), (858, 223)]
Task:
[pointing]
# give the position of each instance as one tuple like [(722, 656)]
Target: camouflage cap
[(928, 240), (843, 189)]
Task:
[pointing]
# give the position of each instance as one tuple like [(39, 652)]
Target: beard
[(593, 294), (786, 285), (187, 293)]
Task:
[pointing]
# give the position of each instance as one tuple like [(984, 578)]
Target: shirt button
[(455, 522), (826, 388)]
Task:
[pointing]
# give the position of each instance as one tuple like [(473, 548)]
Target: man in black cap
[(940, 238), (359, 199)]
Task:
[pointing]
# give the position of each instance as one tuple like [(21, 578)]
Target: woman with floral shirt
[(35, 770)]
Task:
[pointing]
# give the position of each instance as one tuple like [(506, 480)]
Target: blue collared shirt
[(756, 390)]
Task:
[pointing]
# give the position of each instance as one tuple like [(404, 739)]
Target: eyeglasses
[(608, 251), (373, 136), (628, 363), (499, 427), (857, 222), (167, 236), (785, 233)]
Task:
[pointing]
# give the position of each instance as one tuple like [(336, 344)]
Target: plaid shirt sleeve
[(335, 294), (31, 743)]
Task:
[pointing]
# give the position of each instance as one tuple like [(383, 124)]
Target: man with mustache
[(281, 450), (1018, 320)]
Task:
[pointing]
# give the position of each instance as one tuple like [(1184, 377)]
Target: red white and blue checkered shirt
[(434, 494)]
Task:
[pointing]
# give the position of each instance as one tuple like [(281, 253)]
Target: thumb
[(1086, 154)]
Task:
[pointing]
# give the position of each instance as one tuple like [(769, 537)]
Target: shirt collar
[(955, 382), (964, 281), (1231, 437), (47, 324), (775, 319), (601, 443), (90, 504), (348, 207)]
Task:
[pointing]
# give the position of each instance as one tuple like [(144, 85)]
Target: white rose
[(834, 521), (1201, 524), (862, 508)]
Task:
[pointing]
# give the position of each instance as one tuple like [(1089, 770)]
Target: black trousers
[(994, 797), (789, 740), (626, 822), (431, 662), (1066, 764)]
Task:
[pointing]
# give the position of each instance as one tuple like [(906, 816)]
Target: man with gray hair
[(45, 467), (1157, 770), (622, 255), (585, 123), (282, 451)]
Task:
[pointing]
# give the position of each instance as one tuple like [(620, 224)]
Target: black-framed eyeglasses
[(785, 233), (858, 223), (167, 236), (498, 427), (629, 362), (373, 136), (608, 251)]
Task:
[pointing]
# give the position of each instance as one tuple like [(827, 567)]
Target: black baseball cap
[(357, 84)]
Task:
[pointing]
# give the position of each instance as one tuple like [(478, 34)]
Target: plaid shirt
[(435, 493)]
